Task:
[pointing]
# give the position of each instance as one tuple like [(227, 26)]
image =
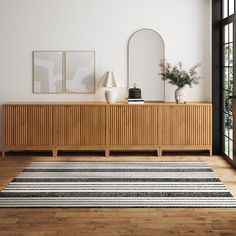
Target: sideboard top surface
[(105, 104)]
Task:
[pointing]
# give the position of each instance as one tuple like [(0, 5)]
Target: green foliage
[(178, 76), (228, 86)]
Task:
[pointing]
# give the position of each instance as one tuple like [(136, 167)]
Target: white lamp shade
[(109, 80)]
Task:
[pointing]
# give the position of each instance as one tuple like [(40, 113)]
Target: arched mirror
[(146, 49)]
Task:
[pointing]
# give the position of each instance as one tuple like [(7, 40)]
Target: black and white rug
[(117, 184)]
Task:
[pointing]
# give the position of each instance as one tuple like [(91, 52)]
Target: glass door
[(228, 67), (227, 88)]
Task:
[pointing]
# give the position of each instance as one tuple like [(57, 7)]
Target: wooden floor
[(109, 222)]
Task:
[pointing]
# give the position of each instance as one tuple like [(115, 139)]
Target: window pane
[(226, 129), (231, 7), (230, 106), (226, 54), (231, 149), (226, 33), (230, 54), (226, 101), (226, 75), (231, 136), (226, 146), (231, 32), (225, 8), (230, 82)]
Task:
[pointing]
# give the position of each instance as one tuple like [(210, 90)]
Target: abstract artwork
[(47, 72), (64, 72), (80, 72)]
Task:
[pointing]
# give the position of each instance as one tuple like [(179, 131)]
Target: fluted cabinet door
[(120, 125), (198, 125), (67, 125), (40, 125), (173, 125), (145, 125), (15, 120), (186, 125), (26, 125), (93, 125), (135, 125)]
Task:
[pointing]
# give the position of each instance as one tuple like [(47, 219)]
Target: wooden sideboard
[(98, 126)]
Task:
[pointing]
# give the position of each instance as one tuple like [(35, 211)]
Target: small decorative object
[(110, 81), (135, 93), (135, 96), (180, 77)]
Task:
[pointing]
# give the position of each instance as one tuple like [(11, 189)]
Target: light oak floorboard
[(116, 222)]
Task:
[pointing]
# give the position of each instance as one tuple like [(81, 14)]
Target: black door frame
[(217, 76)]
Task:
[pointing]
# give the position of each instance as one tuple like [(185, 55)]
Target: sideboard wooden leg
[(107, 152), (54, 152), (160, 152), (210, 152)]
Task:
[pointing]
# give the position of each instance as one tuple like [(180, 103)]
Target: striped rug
[(116, 184)]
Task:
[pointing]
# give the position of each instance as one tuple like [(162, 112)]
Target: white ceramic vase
[(110, 95), (180, 95)]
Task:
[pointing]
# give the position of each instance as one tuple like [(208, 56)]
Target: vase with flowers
[(176, 75)]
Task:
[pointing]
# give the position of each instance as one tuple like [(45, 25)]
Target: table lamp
[(110, 81)]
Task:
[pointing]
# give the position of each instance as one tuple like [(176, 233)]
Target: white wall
[(104, 26)]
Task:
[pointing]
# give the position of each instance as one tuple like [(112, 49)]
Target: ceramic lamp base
[(110, 96)]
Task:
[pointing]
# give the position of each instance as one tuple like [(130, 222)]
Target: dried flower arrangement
[(178, 76)]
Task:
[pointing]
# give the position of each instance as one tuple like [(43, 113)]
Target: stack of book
[(135, 101)]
